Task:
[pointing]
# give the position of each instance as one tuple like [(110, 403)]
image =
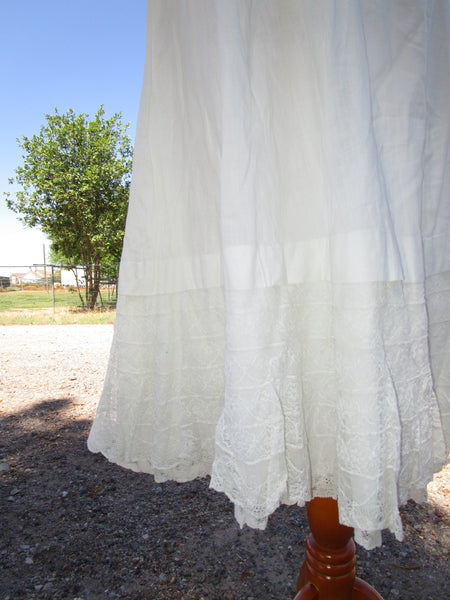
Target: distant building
[(15, 278), (69, 277), (4, 282), (31, 276)]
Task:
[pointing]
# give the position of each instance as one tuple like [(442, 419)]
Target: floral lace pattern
[(328, 392)]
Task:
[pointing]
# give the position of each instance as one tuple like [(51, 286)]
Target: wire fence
[(42, 285)]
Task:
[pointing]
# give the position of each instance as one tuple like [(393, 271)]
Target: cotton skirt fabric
[(284, 293)]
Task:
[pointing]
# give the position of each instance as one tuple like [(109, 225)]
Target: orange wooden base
[(328, 572)]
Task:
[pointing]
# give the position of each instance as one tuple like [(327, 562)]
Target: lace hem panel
[(282, 394)]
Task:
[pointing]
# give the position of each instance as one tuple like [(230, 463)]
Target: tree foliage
[(74, 185)]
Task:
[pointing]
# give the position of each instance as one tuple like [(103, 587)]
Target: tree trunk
[(75, 272), (94, 287)]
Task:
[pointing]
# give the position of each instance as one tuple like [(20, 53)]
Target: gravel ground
[(75, 526)]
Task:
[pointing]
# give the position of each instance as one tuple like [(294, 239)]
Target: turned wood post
[(328, 572)]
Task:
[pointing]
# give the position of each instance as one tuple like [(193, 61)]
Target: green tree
[(74, 185)]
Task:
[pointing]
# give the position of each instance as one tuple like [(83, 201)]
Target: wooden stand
[(328, 572)]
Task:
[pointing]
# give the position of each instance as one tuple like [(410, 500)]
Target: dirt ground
[(75, 526)]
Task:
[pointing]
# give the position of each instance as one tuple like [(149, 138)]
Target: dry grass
[(59, 316)]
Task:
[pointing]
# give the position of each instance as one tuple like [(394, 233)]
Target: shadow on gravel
[(75, 526)]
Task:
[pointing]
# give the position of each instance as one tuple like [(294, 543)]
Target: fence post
[(53, 289)]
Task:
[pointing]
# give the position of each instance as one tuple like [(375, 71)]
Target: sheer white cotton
[(284, 313)]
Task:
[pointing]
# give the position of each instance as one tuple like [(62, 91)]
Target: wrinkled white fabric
[(284, 310)]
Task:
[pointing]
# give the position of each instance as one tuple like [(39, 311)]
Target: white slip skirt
[(284, 293)]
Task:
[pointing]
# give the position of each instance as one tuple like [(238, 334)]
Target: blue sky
[(67, 53)]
